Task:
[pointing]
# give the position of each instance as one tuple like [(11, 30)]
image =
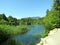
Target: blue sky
[(25, 8)]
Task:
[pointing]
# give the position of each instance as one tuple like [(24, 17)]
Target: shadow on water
[(32, 37)]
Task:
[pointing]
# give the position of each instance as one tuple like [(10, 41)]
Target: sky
[(25, 8)]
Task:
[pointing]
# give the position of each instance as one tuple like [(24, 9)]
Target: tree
[(12, 21), (52, 19), (3, 19), (47, 12), (2, 16), (56, 5), (3, 22)]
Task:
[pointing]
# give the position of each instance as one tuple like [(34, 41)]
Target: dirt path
[(53, 38)]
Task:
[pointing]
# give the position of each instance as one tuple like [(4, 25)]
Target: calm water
[(32, 37)]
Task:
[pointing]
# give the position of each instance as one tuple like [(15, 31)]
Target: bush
[(7, 31), (45, 33)]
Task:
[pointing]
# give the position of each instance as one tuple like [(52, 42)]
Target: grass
[(45, 33), (14, 30), (6, 31)]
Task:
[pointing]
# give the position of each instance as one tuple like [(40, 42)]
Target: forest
[(24, 21)]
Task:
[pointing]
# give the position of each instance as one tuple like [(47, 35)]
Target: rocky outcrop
[(53, 38)]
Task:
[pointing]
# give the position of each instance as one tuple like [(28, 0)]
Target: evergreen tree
[(47, 12)]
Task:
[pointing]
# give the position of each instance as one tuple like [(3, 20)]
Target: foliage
[(24, 21), (31, 21), (12, 26), (6, 31), (45, 33), (52, 19), (13, 30), (12, 42), (2, 16), (12, 21), (3, 22)]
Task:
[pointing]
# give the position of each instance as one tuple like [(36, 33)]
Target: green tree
[(56, 5), (12, 21), (3, 19), (2, 16), (3, 22), (52, 19), (47, 12)]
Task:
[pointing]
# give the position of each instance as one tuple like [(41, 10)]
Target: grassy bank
[(45, 33), (6, 31), (14, 30)]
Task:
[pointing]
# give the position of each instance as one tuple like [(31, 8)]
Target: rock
[(53, 38)]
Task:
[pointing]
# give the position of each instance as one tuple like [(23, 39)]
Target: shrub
[(7, 31)]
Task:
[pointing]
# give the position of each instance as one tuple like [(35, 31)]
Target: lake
[(32, 37)]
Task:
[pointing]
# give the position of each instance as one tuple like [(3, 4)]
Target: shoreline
[(52, 38)]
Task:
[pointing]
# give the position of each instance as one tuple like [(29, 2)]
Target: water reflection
[(30, 38)]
